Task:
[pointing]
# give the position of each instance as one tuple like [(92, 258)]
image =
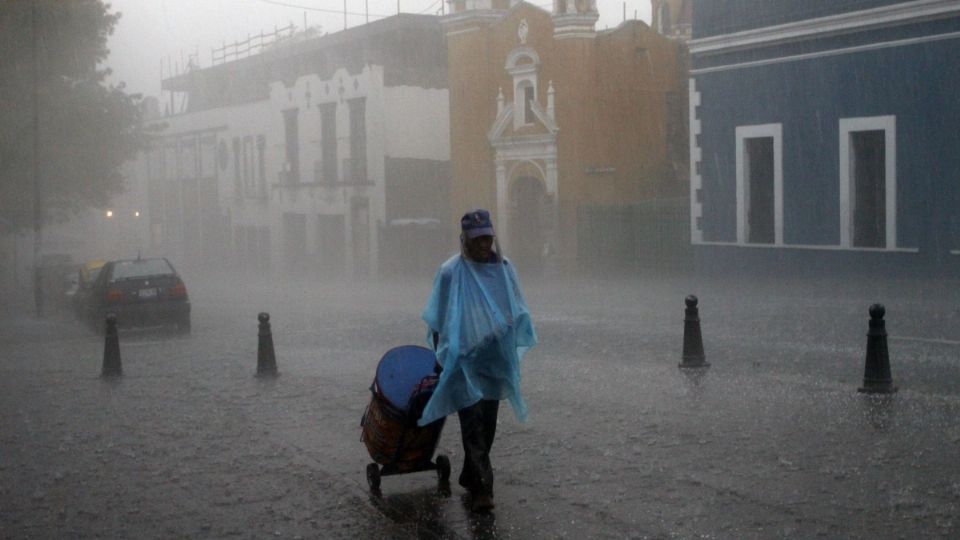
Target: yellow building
[(563, 131)]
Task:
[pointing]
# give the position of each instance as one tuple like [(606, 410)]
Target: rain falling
[(479, 269)]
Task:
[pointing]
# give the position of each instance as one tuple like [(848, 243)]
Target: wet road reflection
[(879, 410), (422, 509), (772, 441), (434, 513)]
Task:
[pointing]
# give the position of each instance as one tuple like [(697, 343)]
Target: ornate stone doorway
[(528, 223)]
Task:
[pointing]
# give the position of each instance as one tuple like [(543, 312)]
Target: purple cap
[(476, 223)]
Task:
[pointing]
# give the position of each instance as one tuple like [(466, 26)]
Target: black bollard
[(876, 372), (693, 356), (112, 367), (266, 359)]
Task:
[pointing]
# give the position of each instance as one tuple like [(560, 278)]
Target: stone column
[(552, 212), (503, 207)]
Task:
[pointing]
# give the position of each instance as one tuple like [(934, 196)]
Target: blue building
[(825, 135)]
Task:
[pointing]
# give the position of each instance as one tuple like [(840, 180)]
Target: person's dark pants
[(478, 427)]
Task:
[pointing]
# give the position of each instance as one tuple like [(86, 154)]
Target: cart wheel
[(443, 468), (373, 477)]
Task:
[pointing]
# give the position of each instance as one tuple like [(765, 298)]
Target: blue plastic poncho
[(485, 328)]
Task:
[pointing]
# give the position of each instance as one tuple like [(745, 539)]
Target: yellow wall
[(610, 109)]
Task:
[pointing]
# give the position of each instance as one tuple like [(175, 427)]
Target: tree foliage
[(52, 88)]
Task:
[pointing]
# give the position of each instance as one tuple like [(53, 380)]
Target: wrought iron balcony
[(354, 171)]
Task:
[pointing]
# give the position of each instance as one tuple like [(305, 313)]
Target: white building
[(300, 159)]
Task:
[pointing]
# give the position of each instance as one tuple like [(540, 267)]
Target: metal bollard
[(112, 366), (693, 356), (876, 372), (266, 359)]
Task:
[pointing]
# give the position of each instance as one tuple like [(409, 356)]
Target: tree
[(52, 87)]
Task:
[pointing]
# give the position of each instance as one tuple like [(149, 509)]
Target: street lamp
[(109, 214)]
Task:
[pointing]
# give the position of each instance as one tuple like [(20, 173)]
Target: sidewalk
[(772, 442)]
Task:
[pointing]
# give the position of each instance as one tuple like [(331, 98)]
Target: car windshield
[(141, 268)]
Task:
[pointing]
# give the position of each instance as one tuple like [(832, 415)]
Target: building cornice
[(455, 22), (525, 147), (579, 19), (827, 53), (588, 33), (548, 121), (575, 25), (833, 25)]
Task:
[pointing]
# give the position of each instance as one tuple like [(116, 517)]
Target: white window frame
[(520, 100), (887, 124), (521, 103), (522, 74), (774, 131)]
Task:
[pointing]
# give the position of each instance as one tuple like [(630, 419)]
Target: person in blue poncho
[(479, 325)]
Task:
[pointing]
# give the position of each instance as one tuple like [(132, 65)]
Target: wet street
[(772, 441)]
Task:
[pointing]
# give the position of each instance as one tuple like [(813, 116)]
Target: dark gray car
[(140, 292)]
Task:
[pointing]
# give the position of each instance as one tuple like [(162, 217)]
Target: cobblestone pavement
[(772, 441)]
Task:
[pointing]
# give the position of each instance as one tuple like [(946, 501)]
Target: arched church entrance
[(527, 221)]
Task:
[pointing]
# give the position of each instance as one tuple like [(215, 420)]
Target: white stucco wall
[(417, 122), (250, 119), (307, 94), (401, 122)]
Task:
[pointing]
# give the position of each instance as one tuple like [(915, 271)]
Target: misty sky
[(151, 30)]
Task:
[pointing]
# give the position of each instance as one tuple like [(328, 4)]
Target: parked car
[(86, 277), (140, 292)]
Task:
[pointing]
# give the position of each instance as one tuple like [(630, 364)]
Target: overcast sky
[(150, 31)]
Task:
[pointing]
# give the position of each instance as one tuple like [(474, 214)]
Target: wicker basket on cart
[(404, 381)]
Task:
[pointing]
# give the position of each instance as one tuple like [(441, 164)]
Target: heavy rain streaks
[(734, 224), (772, 440)]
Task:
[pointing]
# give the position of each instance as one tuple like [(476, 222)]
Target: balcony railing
[(354, 171), (322, 177)]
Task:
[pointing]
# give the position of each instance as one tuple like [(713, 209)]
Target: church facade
[(563, 131)]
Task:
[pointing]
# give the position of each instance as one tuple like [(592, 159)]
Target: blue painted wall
[(916, 83), (714, 17)]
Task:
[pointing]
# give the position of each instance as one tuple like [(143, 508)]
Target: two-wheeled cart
[(405, 380)]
